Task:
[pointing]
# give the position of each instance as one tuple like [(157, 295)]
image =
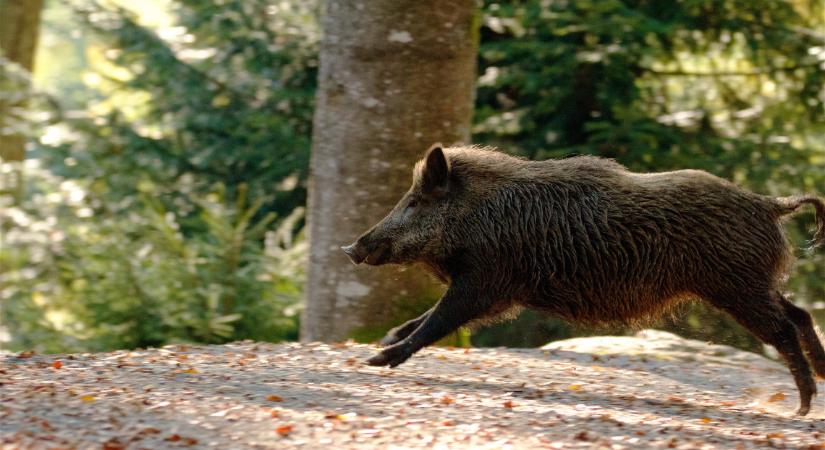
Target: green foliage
[(228, 99), (702, 83), (170, 209), (86, 279)]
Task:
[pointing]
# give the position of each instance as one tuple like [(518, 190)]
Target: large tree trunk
[(19, 29), (395, 77)]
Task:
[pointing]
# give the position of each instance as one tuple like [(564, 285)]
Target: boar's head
[(413, 230)]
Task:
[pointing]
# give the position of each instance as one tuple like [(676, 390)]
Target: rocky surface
[(651, 391)]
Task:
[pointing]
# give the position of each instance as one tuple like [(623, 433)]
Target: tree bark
[(395, 77), (19, 30)]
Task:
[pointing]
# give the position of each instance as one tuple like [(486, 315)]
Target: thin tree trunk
[(395, 77), (19, 29)]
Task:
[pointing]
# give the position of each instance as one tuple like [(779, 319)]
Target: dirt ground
[(654, 391)]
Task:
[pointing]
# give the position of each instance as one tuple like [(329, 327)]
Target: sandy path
[(251, 395)]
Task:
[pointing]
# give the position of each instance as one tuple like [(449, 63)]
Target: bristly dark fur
[(585, 239)]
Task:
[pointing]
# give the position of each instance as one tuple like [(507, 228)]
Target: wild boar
[(585, 239)]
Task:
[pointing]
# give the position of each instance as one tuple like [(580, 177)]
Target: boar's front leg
[(405, 329), (459, 305)]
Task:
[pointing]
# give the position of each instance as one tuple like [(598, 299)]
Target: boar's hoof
[(803, 410), (390, 356), (378, 360)]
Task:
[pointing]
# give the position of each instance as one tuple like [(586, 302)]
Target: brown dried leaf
[(113, 444), (284, 430), (582, 436), (777, 397), (275, 398)]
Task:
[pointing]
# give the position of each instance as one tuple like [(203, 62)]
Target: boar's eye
[(412, 204)]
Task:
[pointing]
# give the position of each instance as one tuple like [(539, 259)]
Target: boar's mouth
[(378, 256)]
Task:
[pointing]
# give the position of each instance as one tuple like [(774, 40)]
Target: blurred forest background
[(162, 195)]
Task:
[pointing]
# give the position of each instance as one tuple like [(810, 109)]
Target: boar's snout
[(369, 250), (352, 253)]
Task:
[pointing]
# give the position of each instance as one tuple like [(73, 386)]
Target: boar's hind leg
[(458, 306), (807, 334), (405, 329), (765, 317)]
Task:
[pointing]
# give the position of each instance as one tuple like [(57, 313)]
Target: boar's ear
[(436, 174)]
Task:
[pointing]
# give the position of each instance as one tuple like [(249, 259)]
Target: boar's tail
[(791, 204)]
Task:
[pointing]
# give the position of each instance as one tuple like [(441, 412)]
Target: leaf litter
[(284, 396)]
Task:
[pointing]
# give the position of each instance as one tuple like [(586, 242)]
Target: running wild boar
[(585, 239)]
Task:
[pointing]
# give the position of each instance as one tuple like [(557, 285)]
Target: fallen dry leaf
[(582, 436), (508, 404), (446, 400), (575, 387), (778, 397), (113, 444), (275, 398), (57, 364), (815, 447), (284, 430)]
